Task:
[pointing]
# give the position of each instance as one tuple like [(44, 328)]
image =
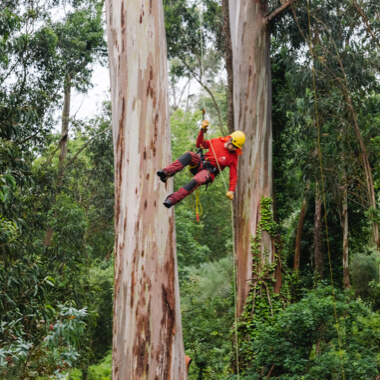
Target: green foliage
[(22, 354), (364, 270), (207, 316), (301, 342)]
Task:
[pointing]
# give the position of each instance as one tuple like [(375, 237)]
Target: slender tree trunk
[(318, 254), (368, 174), (301, 222), (229, 66), (344, 224), (147, 335), (62, 146), (250, 39), (64, 129)]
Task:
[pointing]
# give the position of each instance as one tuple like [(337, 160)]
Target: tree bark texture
[(250, 40), (147, 334), (301, 222)]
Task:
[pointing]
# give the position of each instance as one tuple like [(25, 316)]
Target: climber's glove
[(204, 126), (230, 195)]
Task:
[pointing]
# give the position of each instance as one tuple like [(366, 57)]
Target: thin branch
[(86, 144), (364, 17), (210, 93), (268, 18), (26, 139)]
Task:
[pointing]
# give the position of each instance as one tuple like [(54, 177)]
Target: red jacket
[(224, 156)]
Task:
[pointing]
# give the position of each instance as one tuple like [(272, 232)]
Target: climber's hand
[(230, 195), (204, 126)]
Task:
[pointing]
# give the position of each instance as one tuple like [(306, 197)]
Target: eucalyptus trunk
[(147, 335), (250, 40)]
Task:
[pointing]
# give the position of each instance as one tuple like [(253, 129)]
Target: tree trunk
[(64, 129), (318, 254), (301, 221), (344, 224), (229, 66), (368, 175), (250, 40), (147, 335), (63, 147)]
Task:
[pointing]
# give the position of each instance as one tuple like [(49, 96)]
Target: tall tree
[(250, 39), (147, 341)]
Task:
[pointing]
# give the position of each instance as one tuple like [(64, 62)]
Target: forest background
[(57, 195)]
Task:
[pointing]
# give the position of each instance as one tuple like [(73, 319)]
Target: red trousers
[(201, 175)]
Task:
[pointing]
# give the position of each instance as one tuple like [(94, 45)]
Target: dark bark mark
[(150, 6), (142, 342), (150, 88), (122, 19), (147, 176), (144, 155), (168, 324), (142, 14), (133, 283), (145, 204)]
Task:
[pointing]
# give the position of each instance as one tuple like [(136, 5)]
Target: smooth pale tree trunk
[(250, 40), (301, 222), (147, 335)]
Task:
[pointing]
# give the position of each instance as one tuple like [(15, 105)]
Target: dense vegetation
[(56, 196)]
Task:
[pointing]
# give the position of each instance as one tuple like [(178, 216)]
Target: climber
[(205, 169)]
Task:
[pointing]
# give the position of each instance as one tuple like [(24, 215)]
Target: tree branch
[(364, 17), (268, 18), (210, 93), (26, 139), (86, 144)]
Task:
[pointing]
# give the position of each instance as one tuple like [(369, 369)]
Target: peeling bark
[(250, 40), (147, 336)]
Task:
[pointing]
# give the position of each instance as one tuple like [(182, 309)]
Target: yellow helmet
[(238, 138)]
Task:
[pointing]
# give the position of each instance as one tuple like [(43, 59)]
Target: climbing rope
[(231, 204), (323, 187)]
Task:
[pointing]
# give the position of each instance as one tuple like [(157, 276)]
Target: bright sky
[(88, 105)]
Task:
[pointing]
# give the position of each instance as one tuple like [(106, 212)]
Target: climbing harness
[(323, 188)]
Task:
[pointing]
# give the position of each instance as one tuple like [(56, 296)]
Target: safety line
[(323, 187), (231, 204), (234, 264)]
